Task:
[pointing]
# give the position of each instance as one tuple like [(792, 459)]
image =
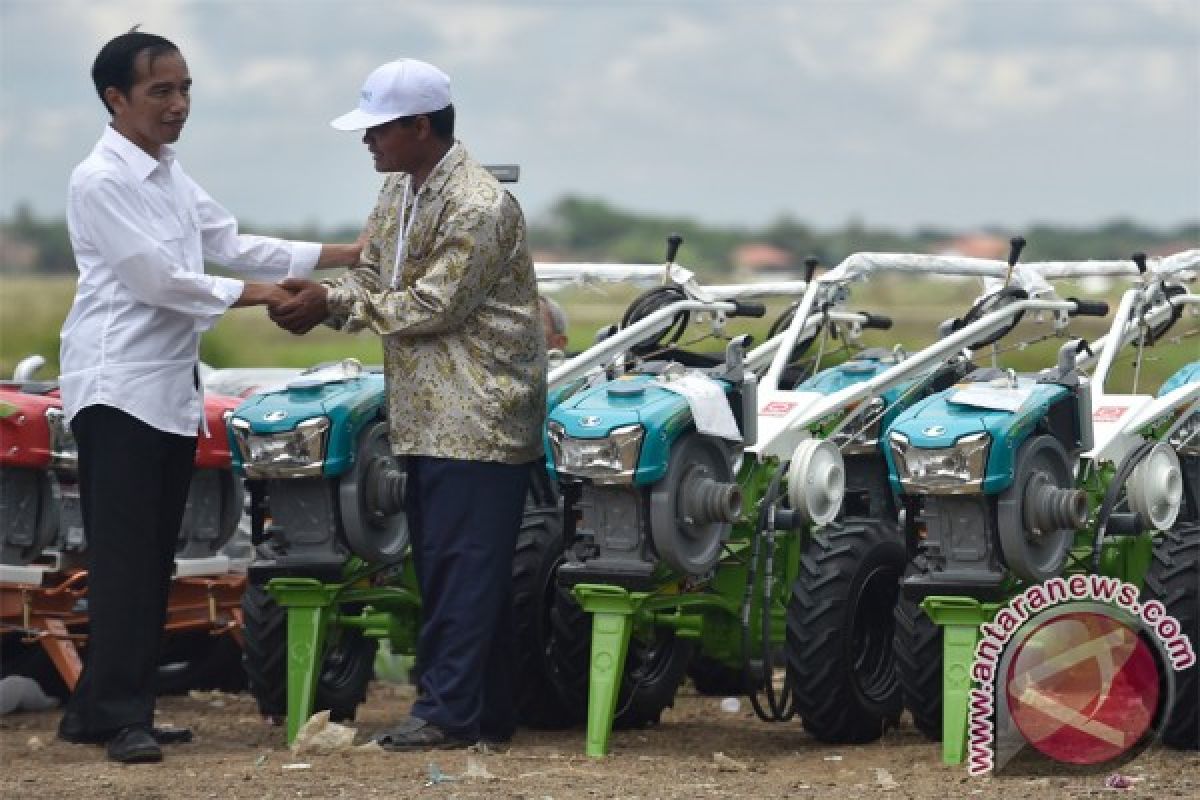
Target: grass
[(32, 312)]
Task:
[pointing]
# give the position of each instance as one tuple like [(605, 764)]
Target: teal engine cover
[(631, 400), (1007, 414), (863, 367), (1189, 374), (348, 403)]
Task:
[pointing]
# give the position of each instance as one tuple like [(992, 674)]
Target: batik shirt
[(463, 348)]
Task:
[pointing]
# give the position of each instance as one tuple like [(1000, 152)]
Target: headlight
[(862, 434), (291, 454), (64, 454), (942, 470), (612, 459)]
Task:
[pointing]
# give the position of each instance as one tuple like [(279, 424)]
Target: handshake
[(296, 305)]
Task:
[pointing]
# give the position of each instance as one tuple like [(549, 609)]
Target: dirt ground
[(698, 751)]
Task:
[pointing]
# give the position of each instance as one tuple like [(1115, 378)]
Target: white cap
[(397, 89)]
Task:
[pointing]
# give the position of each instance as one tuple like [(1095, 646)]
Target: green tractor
[(1009, 481), (718, 515), (331, 577)]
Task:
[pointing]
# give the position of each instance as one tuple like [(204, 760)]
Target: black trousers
[(133, 486), (464, 517)]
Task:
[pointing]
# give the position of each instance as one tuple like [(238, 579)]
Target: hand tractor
[(331, 577), (43, 581), (1010, 480), (681, 528)]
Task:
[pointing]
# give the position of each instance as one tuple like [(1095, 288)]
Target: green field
[(32, 311)]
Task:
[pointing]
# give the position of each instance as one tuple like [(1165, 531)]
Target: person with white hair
[(554, 323)]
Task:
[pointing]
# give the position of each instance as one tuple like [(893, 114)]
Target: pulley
[(816, 481), (693, 506), (1155, 489), (371, 499), (1038, 514)]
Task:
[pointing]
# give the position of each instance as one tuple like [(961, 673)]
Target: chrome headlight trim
[(959, 469), (64, 453), (609, 459), (298, 453)]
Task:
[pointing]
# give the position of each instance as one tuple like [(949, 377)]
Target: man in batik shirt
[(447, 280)]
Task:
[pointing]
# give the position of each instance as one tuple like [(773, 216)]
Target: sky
[(897, 113)]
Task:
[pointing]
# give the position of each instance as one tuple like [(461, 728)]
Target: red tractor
[(43, 579)]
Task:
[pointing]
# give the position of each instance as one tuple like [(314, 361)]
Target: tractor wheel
[(917, 646), (840, 629), (348, 666), (535, 563), (199, 660), (1173, 579), (715, 678), (654, 667)]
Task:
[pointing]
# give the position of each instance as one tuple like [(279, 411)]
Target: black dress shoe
[(171, 735), (134, 744), (414, 733), (71, 730)]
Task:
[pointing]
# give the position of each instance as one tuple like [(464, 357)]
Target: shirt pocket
[(178, 235)]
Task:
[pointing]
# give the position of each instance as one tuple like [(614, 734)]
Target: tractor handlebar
[(877, 321), (1089, 308), (744, 309)]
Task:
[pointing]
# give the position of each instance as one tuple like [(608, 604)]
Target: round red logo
[(1083, 688)]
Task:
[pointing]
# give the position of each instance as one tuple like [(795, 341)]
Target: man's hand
[(307, 308), (263, 294)]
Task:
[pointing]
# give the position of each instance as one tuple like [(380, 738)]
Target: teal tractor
[(717, 514), (1010, 480), (331, 577)]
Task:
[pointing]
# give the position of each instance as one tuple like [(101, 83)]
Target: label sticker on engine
[(777, 408), (1108, 413)]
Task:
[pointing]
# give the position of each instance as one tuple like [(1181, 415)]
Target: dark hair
[(114, 66), (440, 122)]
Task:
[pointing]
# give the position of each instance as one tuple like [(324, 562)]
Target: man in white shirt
[(141, 230)]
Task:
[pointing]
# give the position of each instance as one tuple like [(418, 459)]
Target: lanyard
[(404, 224)]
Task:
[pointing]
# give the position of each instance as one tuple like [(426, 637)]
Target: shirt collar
[(441, 171), (137, 159)]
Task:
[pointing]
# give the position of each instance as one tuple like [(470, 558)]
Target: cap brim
[(358, 120)]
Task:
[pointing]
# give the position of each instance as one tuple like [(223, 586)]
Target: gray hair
[(558, 317)]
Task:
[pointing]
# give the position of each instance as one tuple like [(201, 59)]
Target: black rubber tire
[(840, 630), (199, 660), (348, 667), (917, 646), (715, 678), (539, 552), (1173, 579), (653, 669), (1190, 512)]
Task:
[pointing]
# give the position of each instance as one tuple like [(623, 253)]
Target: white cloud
[(100, 22), (812, 107), (476, 33)]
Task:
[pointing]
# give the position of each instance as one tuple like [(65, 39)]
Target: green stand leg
[(309, 605), (612, 609), (959, 618)]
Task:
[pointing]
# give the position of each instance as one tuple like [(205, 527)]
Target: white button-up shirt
[(141, 230)]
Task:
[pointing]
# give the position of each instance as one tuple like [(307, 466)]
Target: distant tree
[(592, 229)]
